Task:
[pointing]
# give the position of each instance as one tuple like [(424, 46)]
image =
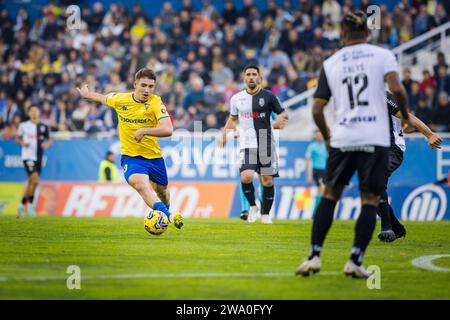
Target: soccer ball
[(156, 222)]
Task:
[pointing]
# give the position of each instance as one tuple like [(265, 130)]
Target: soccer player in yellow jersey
[(142, 119)]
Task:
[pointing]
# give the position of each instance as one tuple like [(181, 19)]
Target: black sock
[(321, 224), (267, 199), (383, 212), (249, 192), (365, 225), (396, 225), (30, 199), (24, 200)]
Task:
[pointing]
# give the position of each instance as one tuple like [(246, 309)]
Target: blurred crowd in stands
[(197, 54)]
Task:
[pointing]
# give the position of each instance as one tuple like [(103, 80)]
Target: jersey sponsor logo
[(354, 55), (133, 120), (261, 102), (425, 203), (252, 115), (357, 119)]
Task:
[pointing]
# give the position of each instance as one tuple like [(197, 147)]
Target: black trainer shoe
[(387, 236), (244, 215), (400, 233)]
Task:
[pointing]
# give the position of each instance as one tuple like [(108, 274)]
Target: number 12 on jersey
[(361, 81)]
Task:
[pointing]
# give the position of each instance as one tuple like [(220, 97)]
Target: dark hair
[(355, 24), (251, 66), (145, 73)]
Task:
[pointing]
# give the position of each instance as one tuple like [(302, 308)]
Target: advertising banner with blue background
[(412, 188)]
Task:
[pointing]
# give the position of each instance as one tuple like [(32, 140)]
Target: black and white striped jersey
[(397, 138), (33, 135), (354, 76), (255, 117)]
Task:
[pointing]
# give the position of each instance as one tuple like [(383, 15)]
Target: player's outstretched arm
[(434, 139), (230, 126), (163, 129), (90, 95)]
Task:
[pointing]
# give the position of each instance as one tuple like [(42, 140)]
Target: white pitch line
[(180, 275), (426, 262)]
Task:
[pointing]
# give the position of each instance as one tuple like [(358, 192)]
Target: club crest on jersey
[(261, 102), (42, 129), (146, 106), (124, 108)]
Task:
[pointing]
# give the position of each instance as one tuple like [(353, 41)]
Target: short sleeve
[(308, 152), (392, 104), (389, 63), (161, 111), (233, 107), (323, 91), (47, 133), (111, 99), (20, 130), (276, 105)]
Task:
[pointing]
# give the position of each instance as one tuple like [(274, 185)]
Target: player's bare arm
[(399, 92), (281, 121), (319, 119), (308, 172), (90, 95), (163, 129), (434, 139), (230, 125)]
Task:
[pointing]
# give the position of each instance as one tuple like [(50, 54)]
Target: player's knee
[(246, 179), (139, 186), (370, 199), (266, 182), (332, 194)]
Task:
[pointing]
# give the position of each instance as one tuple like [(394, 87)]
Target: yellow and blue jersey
[(134, 115)]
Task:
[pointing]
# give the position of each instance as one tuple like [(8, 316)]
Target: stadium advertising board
[(196, 200), (204, 182), (428, 202), (194, 160), (217, 200)]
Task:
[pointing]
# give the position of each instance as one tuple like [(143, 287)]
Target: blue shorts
[(154, 168)]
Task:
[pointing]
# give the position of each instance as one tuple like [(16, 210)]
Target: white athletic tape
[(426, 262)]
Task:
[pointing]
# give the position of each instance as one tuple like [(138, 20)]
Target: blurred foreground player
[(360, 138), (142, 119), (34, 137)]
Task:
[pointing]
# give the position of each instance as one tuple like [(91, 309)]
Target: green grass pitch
[(208, 259)]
